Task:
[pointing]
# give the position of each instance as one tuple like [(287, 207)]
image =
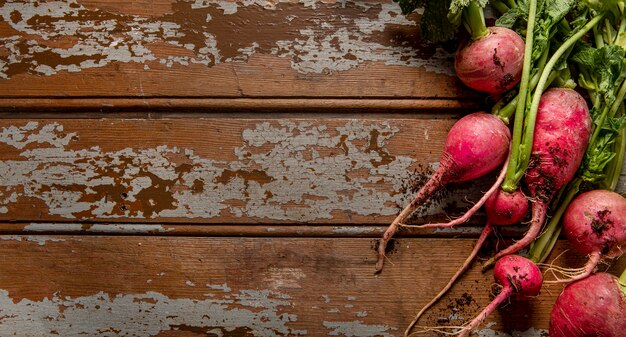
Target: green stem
[(609, 32), (500, 6), (614, 169), (596, 131), (522, 96), (508, 110), (619, 99), (511, 3), (622, 27), (474, 21), (544, 244), (598, 38), (520, 152)]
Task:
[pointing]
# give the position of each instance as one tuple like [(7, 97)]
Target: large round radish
[(595, 225), (476, 145), (562, 131), (492, 63), (594, 306), (521, 280)]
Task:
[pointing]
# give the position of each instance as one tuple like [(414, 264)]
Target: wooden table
[(224, 168)]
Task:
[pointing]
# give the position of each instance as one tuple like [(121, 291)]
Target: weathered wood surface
[(158, 286), (221, 48), (222, 170), (219, 170)]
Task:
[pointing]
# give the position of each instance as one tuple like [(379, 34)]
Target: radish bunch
[(563, 141)]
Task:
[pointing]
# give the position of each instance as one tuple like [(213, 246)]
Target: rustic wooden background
[(224, 168)]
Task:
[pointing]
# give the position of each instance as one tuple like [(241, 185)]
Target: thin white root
[(465, 217), (438, 329)]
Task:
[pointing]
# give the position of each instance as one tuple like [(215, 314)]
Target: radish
[(521, 280), (595, 225), (475, 145), (594, 306), (493, 62), (561, 134), (502, 209)]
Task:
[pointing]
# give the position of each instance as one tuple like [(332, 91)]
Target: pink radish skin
[(561, 134), (502, 209), (476, 145), (595, 225), (594, 306), (521, 280), (492, 63)]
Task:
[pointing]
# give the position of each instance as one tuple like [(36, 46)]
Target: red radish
[(492, 63), (502, 209), (475, 145), (595, 225), (561, 134), (594, 306), (520, 279)]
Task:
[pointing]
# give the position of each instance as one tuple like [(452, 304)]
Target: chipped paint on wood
[(357, 329), (97, 228), (284, 170), (532, 332), (66, 36), (38, 239), (253, 312)]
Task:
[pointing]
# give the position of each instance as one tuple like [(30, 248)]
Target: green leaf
[(457, 6), (601, 5), (605, 69), (509, 18), (434, 24)]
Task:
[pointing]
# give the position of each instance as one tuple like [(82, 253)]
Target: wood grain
[(219, 170), (148, 286), (223, 170), (223, 49)]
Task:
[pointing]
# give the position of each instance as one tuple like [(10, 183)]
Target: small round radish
[(521, 280), (502, 209), (594, 306), (595, 225), (492, 63), (561, 134), (475, 146)]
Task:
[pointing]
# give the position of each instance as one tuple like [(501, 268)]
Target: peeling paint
[(352, 34), (222, 287), (532, 332), (355, 230), (38, 239), (257, 312), (357, 329), (96, 228), (279, 164)]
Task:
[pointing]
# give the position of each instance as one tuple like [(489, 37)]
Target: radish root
[(483, 236)]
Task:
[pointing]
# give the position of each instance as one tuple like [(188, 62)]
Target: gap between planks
[(318, 104), (229, 230)]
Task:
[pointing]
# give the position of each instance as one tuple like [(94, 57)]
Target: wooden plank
[(218, 170), (219, 48), (289, 171), (166, 286)]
